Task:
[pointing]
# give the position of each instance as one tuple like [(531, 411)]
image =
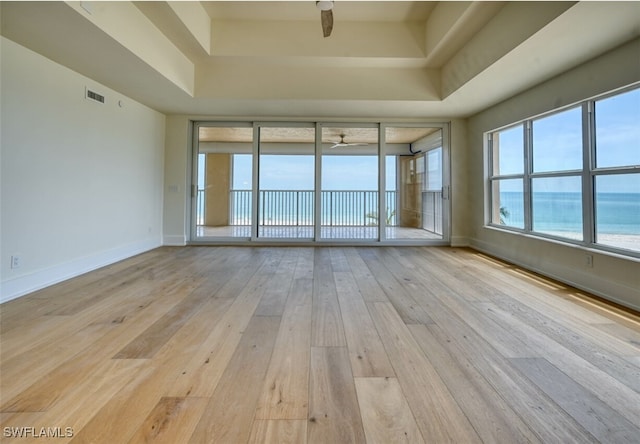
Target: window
[(618, 210), (507, 182), (557, 142), (572, 175), (508, 154), (556, 182), (617, 124), (557, 206), (508, 206), (616, 176)]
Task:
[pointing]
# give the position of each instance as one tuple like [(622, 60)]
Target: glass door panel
[(349, 183), (286, 182), (224, 182), (432, 192), (413, 187), (300, 181)]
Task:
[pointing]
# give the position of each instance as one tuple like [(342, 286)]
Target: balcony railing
[(296, 207), (432, 211), (280, 207), (338, 208)]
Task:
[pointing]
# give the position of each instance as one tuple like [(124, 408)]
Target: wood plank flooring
[(317, 345)]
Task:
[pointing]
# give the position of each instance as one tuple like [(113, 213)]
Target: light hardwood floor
[(318, 345)]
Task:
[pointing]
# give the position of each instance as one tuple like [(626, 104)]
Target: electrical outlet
[(15, 261), (588, 260)]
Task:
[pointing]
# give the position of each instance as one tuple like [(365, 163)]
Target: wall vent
[(94, 96)]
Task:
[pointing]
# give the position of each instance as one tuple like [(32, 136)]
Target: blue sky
[(296, 172), (618, 130), (557, 145)]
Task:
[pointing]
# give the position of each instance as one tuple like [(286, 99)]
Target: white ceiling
[(384, 60), (396, 11)]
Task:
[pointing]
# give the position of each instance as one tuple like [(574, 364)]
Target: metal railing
[(338, 208), (349, 208), (240, 207), (285, 207), (432, 211), (296, 207)]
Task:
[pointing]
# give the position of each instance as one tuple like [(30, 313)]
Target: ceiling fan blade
[(327, 22), (342, 144)]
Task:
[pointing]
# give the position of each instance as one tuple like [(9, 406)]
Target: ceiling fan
[(342, 143), (326, 16)]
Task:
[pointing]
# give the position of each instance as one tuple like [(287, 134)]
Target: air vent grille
[(95, 96)]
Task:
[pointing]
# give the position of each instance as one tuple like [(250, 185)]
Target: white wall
[(177, 180), (613, 277), (459, 179), (82, 182)]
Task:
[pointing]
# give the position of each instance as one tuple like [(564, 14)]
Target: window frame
[(588, 173), (510, 176)]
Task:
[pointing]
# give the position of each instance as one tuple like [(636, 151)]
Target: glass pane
[(391, 189), (557, 206), (508, 202), (202, 169), (557, 142), (223, 203), (286, 183), (508, 151), (432, 193), (414, 196), (349, 199), (618, 210), (618, 130), (241, 173)]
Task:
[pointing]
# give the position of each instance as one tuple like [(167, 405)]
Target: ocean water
[(616, 213)]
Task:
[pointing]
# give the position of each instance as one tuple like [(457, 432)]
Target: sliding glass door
[(320, 182), (286, 182), (224, 181), (349, 185), (414, 183)]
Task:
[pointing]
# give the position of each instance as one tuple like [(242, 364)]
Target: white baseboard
[(583, 280), (27, 283), (174, 241), (459, 241)]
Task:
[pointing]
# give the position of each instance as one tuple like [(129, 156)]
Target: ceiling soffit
[(376, 11), (390, 59)]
